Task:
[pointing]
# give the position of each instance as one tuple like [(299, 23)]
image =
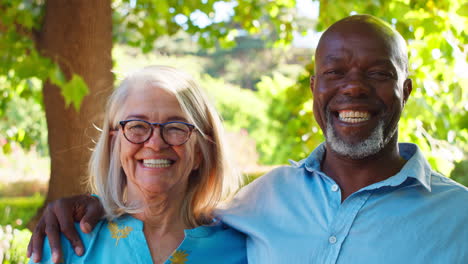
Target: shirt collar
[(416, 166)]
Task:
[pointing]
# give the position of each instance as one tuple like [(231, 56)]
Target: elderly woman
[(159, 169)]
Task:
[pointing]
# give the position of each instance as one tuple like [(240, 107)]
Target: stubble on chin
[(360, 150)]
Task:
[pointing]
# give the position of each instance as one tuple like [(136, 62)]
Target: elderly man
[(360, 197)]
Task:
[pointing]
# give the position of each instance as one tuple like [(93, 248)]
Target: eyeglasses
[(173, 133)]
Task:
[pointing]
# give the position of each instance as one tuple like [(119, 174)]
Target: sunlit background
[(254, 58)]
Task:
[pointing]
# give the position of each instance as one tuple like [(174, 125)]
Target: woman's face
[(155, 168)]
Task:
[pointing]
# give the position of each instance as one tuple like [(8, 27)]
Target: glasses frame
[(161, 128)]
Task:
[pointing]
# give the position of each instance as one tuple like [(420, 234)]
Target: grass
[(16, 211)]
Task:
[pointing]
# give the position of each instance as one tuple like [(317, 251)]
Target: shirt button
[(334, 187), (332, 239)]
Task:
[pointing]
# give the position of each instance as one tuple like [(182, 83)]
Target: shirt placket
[(342, 222), (138, 242)]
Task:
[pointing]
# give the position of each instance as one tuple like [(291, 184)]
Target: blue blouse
[(294, 214), (123, 241)]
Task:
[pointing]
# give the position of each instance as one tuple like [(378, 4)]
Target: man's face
[(359, 89)]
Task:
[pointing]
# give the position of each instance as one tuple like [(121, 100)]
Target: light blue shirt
[(123, 241), (294, 214)]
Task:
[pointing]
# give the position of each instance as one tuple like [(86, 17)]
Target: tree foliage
[(436, 115), (279, 116), (139, 23)]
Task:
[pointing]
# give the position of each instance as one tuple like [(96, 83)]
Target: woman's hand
[(59, 216)]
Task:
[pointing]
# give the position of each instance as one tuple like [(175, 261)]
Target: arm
[(59, 216)]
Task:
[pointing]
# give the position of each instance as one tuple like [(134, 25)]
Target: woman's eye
[(138, 127), (174, 129)]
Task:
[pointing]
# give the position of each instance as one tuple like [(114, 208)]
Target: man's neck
[(352, 175)]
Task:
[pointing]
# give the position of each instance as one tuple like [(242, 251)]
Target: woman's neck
[(163, 226)]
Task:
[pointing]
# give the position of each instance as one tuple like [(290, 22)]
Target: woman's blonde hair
[(213, 180)]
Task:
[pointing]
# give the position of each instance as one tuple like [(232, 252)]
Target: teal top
[(123, 241)]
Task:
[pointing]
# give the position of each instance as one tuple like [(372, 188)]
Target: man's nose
[(355, 85)]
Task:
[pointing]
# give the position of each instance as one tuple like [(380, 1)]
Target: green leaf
[(6, 148), (463, 10), (20, 135), (25, 69), (74, 91), (56, 76)]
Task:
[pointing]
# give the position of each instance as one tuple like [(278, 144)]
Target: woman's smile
[(157, 163)]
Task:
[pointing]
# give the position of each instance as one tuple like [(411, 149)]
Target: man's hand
[(59, 217)]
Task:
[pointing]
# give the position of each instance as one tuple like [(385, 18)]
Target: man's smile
[(351, 116)]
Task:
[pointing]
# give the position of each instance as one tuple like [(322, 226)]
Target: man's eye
[(380, 75), (333, 73)]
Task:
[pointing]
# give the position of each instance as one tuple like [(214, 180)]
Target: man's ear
[(312, 81), (407, 88)]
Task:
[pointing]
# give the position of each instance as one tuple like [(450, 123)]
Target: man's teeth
[(353, 116), (157, 163)]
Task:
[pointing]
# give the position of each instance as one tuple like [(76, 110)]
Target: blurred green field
[(15, 213)]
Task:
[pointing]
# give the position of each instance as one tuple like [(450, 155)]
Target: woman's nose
[(156, 141)]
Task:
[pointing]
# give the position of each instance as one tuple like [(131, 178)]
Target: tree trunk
[(77, 34)]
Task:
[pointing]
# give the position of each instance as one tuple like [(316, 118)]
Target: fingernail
[(55, 257), (87, 227), (79, 250), (35, 258)]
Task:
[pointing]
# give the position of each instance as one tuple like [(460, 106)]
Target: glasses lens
[(176, 133), (137, 131)]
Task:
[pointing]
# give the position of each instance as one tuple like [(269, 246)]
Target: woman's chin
[(153, 190), (147, 190)]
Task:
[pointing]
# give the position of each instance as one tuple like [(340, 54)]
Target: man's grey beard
[(368, 147)]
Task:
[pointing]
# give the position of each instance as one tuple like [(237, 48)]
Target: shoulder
[(67, 250), (450, 189), (217, 243), (276, 177), (289, 175), (275, 189), (213, 234), (47, 252), (276, 181), (435, 183)]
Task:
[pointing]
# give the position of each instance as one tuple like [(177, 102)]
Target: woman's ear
[(113, 134), (198, 157)]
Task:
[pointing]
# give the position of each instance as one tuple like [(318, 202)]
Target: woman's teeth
[(157, 163), (353, 116)]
